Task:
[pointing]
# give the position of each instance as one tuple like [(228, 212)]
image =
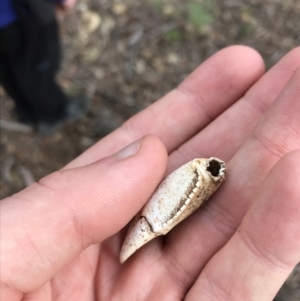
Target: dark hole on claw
[(214, 168)]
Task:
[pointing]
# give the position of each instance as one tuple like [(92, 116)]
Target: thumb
[(47, 225)]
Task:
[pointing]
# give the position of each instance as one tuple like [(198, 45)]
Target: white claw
[(177, 197), (140, 233)]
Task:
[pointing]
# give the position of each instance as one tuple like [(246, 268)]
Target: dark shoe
[(76, 108)]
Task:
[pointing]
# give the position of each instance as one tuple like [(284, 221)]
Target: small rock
[(91, 21), (140, 66), (86, 141), (15, 126), (159, 66), (172, 58), (83, 37), (6, 167), (81, 6), (168, 10), (91, 54), (136, 36), (99, 73), (107, 25), (119, 8), (26, 175)]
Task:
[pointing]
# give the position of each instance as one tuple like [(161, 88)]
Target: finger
[(47, 225), (225, 135), (206, 93), (42, 294), (276, 135), (263, 252)]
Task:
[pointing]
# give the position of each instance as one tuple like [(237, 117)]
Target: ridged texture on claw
[(178, 196)]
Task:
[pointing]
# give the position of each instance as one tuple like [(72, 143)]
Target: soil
[(125, 55)]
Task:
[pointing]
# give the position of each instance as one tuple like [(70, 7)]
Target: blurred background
[(126, 54)]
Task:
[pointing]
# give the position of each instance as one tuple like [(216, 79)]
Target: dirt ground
[(125, 55)]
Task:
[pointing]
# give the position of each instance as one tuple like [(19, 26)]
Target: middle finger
[(227, 133), (247, 169)]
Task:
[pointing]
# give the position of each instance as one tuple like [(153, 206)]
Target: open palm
[(61, 238)]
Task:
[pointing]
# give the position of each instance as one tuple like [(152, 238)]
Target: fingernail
[(129, 150)]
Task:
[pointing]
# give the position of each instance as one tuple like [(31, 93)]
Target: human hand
[(66, 5), (61, 238)]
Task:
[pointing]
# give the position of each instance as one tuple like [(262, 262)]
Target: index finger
[(206, 93)]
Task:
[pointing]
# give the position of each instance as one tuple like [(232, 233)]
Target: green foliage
[(199, 15), (174, 35), (158, 4), (246, 26)]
